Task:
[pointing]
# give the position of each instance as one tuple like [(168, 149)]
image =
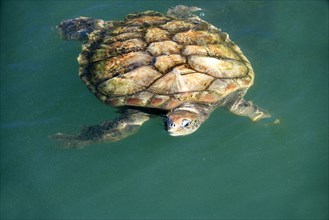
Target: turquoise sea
[(231, 168)]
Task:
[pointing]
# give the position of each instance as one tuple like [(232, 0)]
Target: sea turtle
[(175, 65)]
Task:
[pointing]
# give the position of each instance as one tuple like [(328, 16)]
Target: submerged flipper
[(79, 28), (237, 105), (249, 109), (182, 11), (113, 130)]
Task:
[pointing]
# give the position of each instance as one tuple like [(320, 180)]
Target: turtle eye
[(185, 123)]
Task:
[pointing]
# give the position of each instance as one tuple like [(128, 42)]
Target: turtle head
[(186, 119), (182, 122)]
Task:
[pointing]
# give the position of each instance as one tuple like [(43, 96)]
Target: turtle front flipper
[(113, 130), (79, 28), (249, 109), (236, 104)]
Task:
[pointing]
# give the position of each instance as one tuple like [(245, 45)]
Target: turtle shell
[(158, 61)]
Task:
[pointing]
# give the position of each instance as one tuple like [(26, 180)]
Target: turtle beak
[(172, 128), (169, 125)]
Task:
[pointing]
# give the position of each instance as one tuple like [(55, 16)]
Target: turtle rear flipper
[(112, 130), (79, 28)]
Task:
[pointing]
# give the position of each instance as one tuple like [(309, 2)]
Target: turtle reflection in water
[(175, 65)]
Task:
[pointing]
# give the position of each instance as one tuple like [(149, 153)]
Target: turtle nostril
[(170, 123)]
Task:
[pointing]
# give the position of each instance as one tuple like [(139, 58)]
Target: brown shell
[(157, 61)]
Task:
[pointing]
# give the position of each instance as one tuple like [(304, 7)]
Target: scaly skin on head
[(187, 118)]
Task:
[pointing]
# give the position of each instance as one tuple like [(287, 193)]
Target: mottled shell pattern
[(161, 61)]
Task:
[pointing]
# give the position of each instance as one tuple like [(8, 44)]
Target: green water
[(230, 169)]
